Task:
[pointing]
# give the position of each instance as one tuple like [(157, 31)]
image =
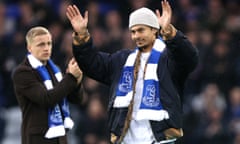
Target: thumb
[(158, 13), (71, 61), (86, 15)]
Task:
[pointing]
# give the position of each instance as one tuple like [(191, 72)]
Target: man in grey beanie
[(146, 84)]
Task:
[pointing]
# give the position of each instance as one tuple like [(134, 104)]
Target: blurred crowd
[(212, 93)]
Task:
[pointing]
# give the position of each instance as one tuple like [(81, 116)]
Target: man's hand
[(167, 31), (79, 23), (164, 20), (74, 69)]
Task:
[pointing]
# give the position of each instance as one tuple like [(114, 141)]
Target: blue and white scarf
[(150, 106), (57, 120)]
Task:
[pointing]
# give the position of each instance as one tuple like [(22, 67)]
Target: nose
[(46, 48), (135, 35)]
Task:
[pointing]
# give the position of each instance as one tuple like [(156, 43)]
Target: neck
[(44, 62)]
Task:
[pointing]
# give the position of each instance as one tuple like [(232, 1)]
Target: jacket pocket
[(36, 136), (40, 139)]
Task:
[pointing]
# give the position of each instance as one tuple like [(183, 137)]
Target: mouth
[(46, 54), (138, 42)]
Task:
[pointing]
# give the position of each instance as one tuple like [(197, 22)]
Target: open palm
[(165, 19), (79, 23)]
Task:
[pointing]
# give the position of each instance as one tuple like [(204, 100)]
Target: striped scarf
[(150, 106), (59, 115)]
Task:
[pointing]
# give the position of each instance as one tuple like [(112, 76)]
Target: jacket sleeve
[(182, 59), (93, 63), (77, 95), (27, 84), (182, 53)]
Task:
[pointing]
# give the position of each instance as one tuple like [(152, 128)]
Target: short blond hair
[(35, 31)]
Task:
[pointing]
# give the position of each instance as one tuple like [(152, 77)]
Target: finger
[(164, 6), (158, 13), (70, 9), (73, 9), (74, 64), (68, 15), (68, 12), (71, 61), (86, 16), (169, 9), (76, 10), (71, 12)]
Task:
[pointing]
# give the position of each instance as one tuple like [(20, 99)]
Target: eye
[(49, 43), (141, 30), (41, 44), (133, 32)]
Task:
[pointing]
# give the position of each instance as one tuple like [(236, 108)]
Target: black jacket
[(175, 64)]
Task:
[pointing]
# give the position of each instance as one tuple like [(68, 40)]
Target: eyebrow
[(138, 29), (42, 43)]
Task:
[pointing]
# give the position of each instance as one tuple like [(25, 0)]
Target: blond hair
[(35, 31)]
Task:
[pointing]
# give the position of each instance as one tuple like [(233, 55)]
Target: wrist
[(81, 33), (169, 32), (80, 37)]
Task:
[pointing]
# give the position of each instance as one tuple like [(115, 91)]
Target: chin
[(46, 59), (142, 47)]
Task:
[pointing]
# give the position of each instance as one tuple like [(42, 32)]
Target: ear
[(154, 30), (29, 48)]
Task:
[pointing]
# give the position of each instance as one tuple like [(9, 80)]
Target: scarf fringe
[(156, 115), (55, 131), (68, 123)]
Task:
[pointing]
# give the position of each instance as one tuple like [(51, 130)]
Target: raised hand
[(164, 19), (79, 23)]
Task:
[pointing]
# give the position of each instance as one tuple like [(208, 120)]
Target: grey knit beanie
[(143, 16)]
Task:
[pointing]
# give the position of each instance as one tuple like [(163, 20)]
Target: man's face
[(41, 47), (144, 36)]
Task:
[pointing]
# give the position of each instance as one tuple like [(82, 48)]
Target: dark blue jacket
[(175, 64)]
